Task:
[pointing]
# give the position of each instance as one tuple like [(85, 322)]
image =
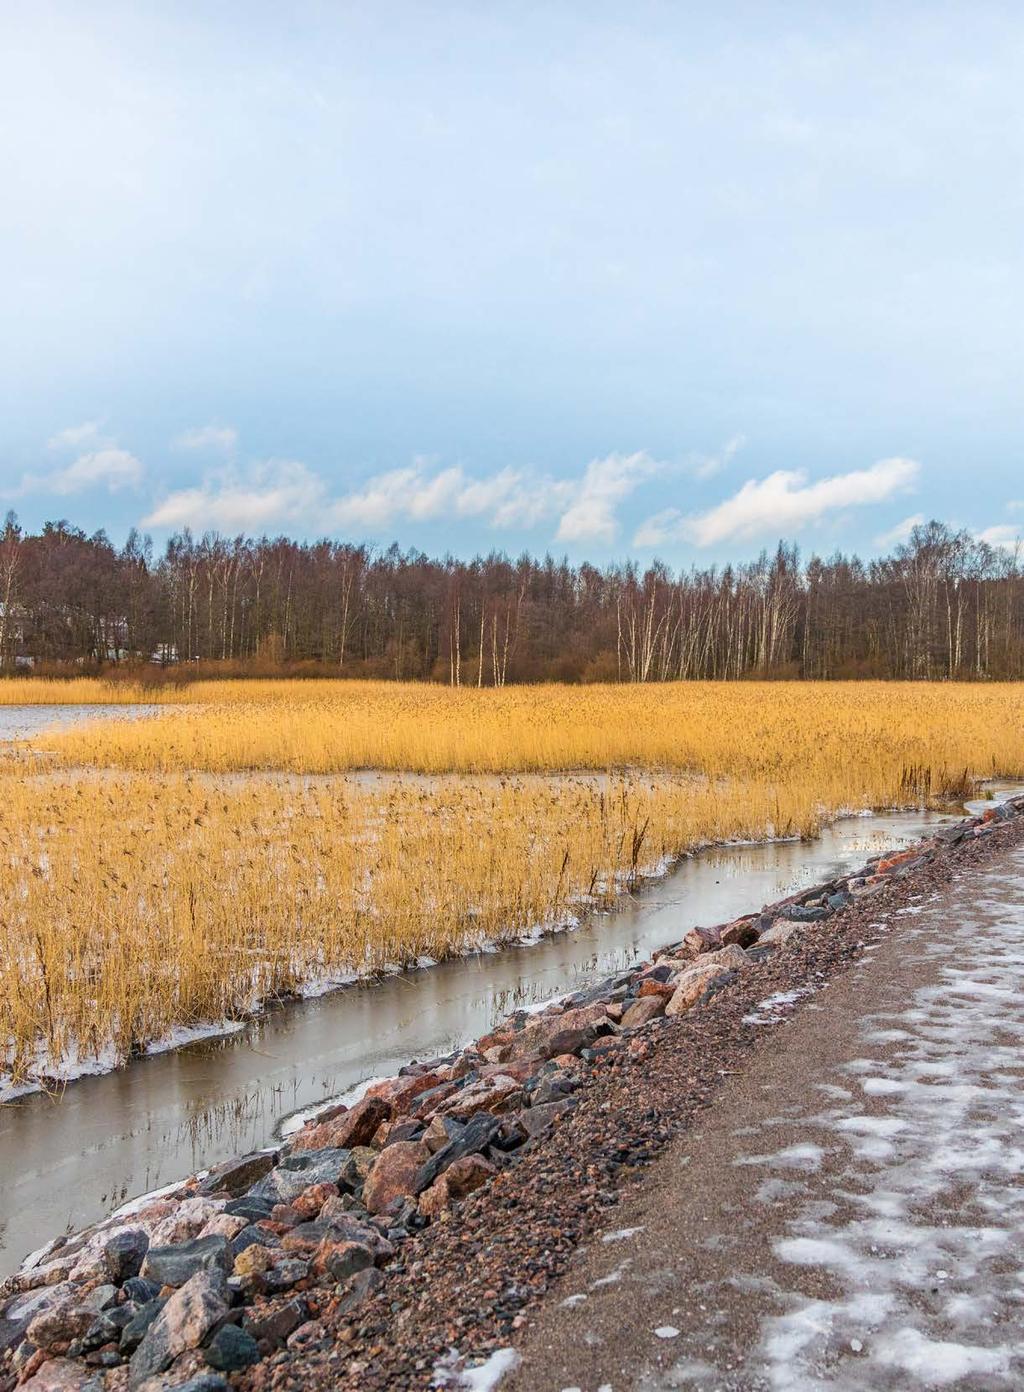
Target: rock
[(731, 956), (188, 1218), (475, 1136), (135, 1330), (226, 1225), (107, 1327), (21, 1309), (408, 1129), (59, 1325), (253, 1236), (205, 1382), (185, 1321), (435, 1200), (304, 1238), (59, 1375), (395, 1174), (253, 1260), (309, 1203), (556, 1085), (343, 1259), (537, 1120), (231, 1348), (691, 985), (174, 1265), (297, 1172), (401, 1092), (778, 934), (363, 1160), (440, 1131), (353, 1128), (275, 1325), (698, 940), (251, 1207), (497, 1094), (650, 987), (234, 1177), (468, 1173), (123, 1253), (284, 1275), (890, 862), (565, 1033), (802, 913), (425, 1104), (643, 1011), (358, 1290), (307, 1336), (742, 932)]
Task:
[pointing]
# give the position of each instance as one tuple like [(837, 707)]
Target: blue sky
[(606, 279)]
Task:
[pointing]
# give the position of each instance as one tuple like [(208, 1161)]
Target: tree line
[(941, 605)]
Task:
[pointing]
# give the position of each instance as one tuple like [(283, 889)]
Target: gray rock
[(140, 1292), (205, 1382), (537, 1120), (124, 1252), (276, 1325), (778, 934), (189, 1316), (106, 1328), (296, 1173), (231, 1348), (251, 1206), (175, 1264), (236, 1176), (253, 1237), (285, 1275), (346, 1258), (799, 913), (135, 1330)]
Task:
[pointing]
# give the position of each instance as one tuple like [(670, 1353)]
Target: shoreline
[(360, 1195)]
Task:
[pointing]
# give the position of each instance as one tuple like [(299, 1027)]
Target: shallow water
[(22, 722), (66, 1161)]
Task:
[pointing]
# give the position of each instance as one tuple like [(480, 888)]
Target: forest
[(942, 605)]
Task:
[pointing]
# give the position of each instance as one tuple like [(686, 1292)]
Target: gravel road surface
[(850, 1212)]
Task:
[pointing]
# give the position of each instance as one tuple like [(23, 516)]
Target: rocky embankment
[(387, 1241)]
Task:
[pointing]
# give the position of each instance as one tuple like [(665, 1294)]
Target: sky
[(606, 280)]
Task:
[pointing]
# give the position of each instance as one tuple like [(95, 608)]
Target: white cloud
[(282, 492), (215, 439), (103, 465), (75, 436), (780, 504), (112, 469), (1005, 536), (277, 492), (706, 466), (901, 531), (591, 516)]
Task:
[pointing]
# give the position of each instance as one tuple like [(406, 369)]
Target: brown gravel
[(467, 1283)]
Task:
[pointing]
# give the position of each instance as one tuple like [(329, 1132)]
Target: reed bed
[(863, 738), (149, 884)]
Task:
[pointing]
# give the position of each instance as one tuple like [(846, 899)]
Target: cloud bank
[(780, 505), (278, 493)]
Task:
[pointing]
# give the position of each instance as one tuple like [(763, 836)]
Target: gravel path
[(851, 1213), (777, 1252)]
